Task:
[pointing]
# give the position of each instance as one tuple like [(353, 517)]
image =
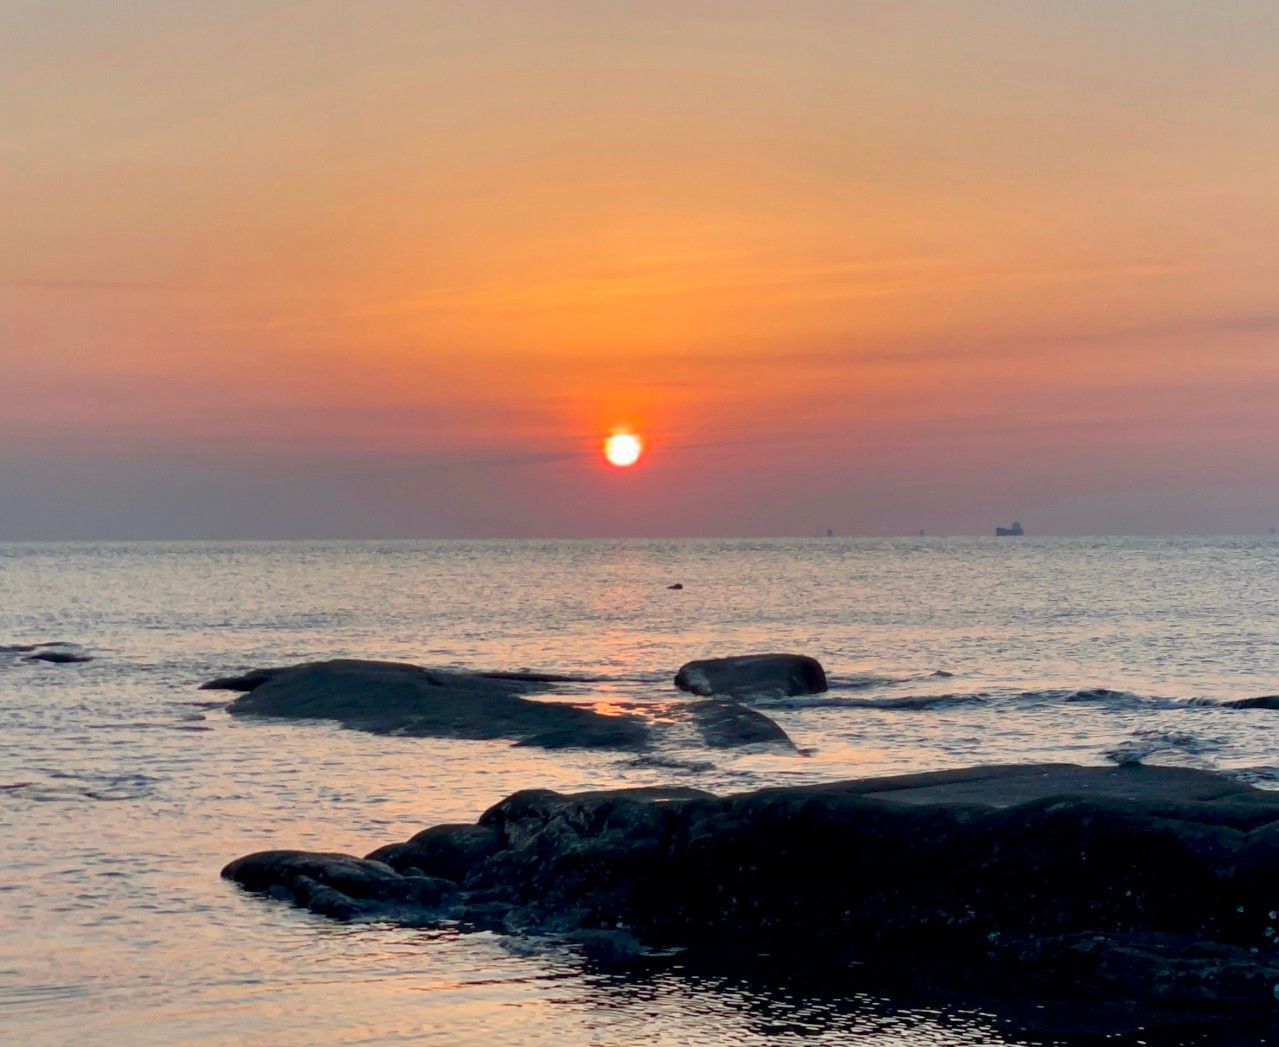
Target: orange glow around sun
[(623, 449)]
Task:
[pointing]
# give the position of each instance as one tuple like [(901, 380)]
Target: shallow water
[(123, 789)]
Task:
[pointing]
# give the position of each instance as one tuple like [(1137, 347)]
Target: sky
[(396, 269)]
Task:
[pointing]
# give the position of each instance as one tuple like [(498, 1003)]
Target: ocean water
[(124, 789)]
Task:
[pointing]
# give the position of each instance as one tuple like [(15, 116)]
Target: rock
[(58, 657), (1109, 883), (55, 652), (338, 885), (677, 585), (247, 682), (1265, 701), (395, 698), (447, 851), (610, 948), (22, 648), (746, 674), (727, 724)]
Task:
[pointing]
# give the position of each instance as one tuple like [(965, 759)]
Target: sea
[(124, 789)]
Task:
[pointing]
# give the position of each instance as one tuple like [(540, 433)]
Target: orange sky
[(308, 269)]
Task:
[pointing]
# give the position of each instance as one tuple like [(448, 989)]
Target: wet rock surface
[(401, 699), (747, 674), (1114, 883), (725, 724)]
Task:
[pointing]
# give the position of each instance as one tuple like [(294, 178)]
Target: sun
[(623, 449)]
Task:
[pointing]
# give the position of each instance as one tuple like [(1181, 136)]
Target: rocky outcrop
[(747, 674), (1121, 882), (395, 698)]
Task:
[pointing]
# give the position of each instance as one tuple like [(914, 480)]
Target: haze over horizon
[(395, 270)]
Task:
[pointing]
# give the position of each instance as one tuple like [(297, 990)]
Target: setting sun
[(623, 449)]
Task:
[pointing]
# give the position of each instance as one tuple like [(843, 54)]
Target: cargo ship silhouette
[(1014, 531)]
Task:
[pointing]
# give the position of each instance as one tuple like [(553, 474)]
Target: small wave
[(1263, 777), (61, 786), (531, 676), (861, 681), (670, 763), (1146, 743), (904, 702), (1102, 696)]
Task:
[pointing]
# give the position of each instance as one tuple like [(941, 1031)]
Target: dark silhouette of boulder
[(727, 724), (55, 652), (59, 657), (395, 698), (752, 674), (1108, 883), (245, 682), (1265, 701)]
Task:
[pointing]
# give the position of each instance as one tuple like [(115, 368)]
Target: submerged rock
[(746, 674), (1152, 883), (395, 698), (59, 657), (1265, 701), (727, 724), (56, 652)]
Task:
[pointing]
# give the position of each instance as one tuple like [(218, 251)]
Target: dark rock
[(20, 648), (338, 885), (1265, 701), (1150, 883), (751, 674), (247, 682), (447, 851), (726, 724), (59, 657), (612, 732), (394, 698), (610, 948), (677, 585)]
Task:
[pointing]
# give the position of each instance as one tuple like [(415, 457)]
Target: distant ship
[(1014, 531)]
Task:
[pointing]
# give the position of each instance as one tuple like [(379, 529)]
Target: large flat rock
[(1134, 882), (401, 699), (1010, 785)]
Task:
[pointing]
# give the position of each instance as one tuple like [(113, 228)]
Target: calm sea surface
[(123, 792)]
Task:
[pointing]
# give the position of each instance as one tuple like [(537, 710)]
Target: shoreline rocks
[(402, 699), (1146, 883), (743, 675), (396, 698)]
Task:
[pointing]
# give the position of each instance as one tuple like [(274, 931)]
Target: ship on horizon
[(1013, 531)]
